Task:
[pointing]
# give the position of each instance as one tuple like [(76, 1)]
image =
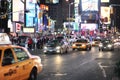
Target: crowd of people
[(32, 42)]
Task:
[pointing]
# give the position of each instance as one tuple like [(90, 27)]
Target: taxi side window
[(8, 57), (0, 54), (21, 54)]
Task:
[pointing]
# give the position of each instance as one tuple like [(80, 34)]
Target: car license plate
[(51, 50)]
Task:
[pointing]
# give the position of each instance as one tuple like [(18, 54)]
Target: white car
[(117, 44)]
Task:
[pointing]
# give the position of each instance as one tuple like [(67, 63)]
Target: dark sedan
[(106, 45)]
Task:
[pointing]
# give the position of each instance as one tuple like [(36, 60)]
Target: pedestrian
[(30, 42)]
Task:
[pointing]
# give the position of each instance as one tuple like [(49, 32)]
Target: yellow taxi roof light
[(4, 39)]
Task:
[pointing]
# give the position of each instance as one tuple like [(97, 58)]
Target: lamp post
[(69, 14)]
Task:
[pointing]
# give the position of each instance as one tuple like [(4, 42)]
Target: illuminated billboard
[(30, 16), (90, 5), (89, 26), (105, 13), (17, 11), (51, 1), (28, 30), (105, 1)]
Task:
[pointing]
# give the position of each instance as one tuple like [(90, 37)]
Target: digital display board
[(28, 30), (105, 13), (105, 1), (51, 1), (30, 5), (89, 26), (17, 11), (90, 5)]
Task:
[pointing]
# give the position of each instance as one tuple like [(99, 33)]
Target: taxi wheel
[(33, 74)]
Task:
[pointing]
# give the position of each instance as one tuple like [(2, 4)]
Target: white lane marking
[(86, 62), (103, 70), (60, 74)]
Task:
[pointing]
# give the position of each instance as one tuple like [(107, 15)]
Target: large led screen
[(106, 1), (89, 26), (17, 11), (105, 13), (51, 1), (30, 6), (90, 5)]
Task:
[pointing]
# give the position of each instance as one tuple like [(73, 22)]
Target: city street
[(54, 32), (79, 65)]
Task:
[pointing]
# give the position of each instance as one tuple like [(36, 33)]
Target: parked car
[(16, 62), (56, 46), (82, 44)]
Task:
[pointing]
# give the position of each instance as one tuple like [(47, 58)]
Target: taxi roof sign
[(4, 39)]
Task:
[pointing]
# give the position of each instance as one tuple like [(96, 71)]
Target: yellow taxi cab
[(81, 44), (16, 63), (96, 42)]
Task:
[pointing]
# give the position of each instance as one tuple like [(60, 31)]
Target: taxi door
[(8, 69), (24, 63)]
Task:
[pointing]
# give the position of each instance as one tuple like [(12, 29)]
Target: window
[(0, 54), (8, 57), (21, 54)]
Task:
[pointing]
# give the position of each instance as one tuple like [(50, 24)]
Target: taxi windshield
[(82, 41), (97, 39)]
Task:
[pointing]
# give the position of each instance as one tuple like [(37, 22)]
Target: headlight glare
[(83, 44), (109, 45), (73, 45), (58, 47), (93, 42), (100, 45), (45, 47)]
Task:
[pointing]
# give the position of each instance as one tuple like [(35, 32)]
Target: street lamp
[(70, 13)]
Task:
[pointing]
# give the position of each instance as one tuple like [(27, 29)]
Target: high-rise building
[(60, 12), (3, 16)]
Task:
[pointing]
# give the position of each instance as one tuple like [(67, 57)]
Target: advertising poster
[(90, 5)]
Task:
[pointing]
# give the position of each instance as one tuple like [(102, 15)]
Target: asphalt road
[(79, 65)]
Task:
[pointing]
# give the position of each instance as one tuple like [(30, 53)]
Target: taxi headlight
[(58, 47), (73, 45), (115, 40), (109, 45), (45, 47), (83, 45), (93, 42)]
